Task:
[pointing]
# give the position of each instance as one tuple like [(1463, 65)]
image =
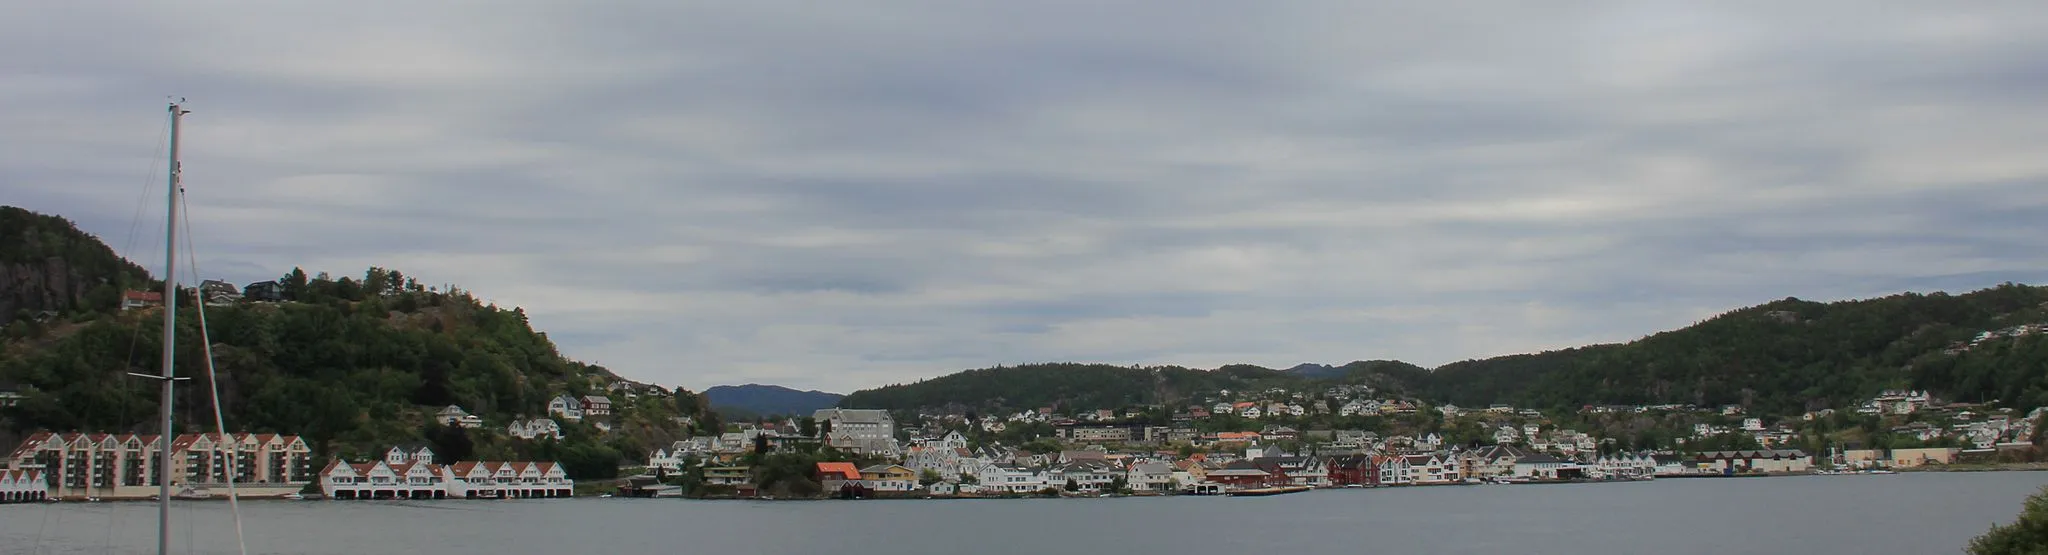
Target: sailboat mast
[(163, 466)]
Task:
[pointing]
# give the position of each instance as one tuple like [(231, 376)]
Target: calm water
[(1902, 514)]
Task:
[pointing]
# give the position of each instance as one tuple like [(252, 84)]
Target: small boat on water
[(293, 496), (1258, 492)]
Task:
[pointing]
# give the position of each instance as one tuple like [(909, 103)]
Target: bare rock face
[(48, 266), (32, 288)]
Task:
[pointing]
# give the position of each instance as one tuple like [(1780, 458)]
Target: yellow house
[(890, 477), (1908, 458)]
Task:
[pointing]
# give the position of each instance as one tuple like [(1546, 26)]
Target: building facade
[(124, 466)]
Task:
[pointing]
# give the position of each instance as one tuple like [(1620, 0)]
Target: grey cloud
[(837, 198)]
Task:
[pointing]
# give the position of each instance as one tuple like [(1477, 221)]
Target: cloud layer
[(838, 197)]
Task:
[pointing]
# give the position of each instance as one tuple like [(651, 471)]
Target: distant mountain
[(1313, 370), (1077, 386), (758, 399)]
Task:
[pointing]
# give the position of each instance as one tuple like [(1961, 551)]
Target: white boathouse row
[(462, 480), (22, 486)]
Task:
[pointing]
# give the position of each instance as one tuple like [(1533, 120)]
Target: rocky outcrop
[(49, 266), (38, 287)]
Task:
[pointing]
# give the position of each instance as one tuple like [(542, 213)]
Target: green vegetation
[(1074, 386), (1777, 359), (47, 264), (354, 364), (1786, 357), (2027, 536)]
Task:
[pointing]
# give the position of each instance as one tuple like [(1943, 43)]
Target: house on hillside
[(453, 415), (134, 300), (219, 293), (566, 407), (535, 429), (263, 291), (597, 406), (410, 452)]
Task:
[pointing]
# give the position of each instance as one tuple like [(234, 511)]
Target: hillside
[(1781, 358), (757, 399), (1074, 386), (352, 364), (48, 265), (1787, 356)]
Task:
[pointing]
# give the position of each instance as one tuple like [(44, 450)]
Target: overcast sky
[(843, 195)]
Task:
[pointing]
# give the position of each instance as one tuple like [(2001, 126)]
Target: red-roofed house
[(141, 299), (836, 475)]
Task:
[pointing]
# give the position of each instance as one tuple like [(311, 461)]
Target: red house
[(1354, 469), (1244, 474)]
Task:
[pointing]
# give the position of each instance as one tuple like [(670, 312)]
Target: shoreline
[(1970, 468)]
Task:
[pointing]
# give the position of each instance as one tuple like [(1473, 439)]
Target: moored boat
[(1257, 492)]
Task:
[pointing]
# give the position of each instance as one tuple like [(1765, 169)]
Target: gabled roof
[(844, 470)]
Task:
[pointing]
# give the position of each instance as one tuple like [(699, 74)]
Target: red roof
[(150, 296), (843, 470)]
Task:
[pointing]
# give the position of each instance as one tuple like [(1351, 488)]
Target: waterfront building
[(124, 466), (22, 486), (412, 478)]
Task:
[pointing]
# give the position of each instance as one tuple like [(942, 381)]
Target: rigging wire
[(156, 161), (212, 378)]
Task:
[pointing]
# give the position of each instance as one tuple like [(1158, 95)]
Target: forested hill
[(1778, 358), (48, 267), (1075, 386), (352, 363), (1789, 356), (767, 400)]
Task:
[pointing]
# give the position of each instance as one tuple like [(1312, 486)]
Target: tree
[(295, 285), (1073, 485), (451, 443), (927, 477), (2026, 536), (807, 427)]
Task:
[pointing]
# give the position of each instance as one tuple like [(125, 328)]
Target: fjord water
[(1902, 514)]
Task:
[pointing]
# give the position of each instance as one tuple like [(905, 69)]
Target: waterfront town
[(1090, 453)]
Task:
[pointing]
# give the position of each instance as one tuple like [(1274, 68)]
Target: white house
[(25, 485), (1150, 476), (1251, 412), (535, 429), (411, 452), (1544, 466), (566, 407), (1506, 435), (453, 415), (1012, 479), (861, 431)]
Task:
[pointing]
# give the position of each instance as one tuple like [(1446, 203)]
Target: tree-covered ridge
[(352, 364), (1786, 357), (48, 264), (1076, 386), (1780, 358)]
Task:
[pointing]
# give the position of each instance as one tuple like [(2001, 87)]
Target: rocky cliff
[(48, 265)]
